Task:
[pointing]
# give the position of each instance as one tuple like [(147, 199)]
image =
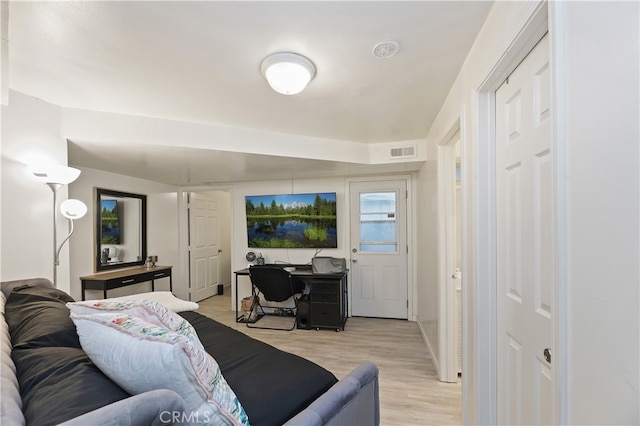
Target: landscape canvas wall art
[(292, 220)]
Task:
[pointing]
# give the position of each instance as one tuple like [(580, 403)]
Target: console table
[(124, 277)]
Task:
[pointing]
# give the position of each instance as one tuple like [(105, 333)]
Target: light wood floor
[(410, 393)]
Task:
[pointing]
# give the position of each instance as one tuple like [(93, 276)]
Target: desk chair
[(276, 285)]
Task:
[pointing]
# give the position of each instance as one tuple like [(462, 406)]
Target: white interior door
[(379, 249), (525, 243), (204, 245)]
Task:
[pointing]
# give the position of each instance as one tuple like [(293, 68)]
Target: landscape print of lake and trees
[(292, 220)]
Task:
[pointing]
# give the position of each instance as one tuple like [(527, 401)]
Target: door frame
[(411, 225), (479, 394), (447, 336)]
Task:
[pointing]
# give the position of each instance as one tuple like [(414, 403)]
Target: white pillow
[(148, 310), (141, 356), (165, 298)]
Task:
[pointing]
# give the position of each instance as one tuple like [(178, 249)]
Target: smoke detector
[(386, 49)]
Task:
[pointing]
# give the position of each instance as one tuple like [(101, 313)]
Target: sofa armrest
[(8, 286), (354, 400), (157, 407), (10, 400)]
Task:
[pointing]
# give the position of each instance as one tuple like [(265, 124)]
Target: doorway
[(481, 398), (209, 243), (449, 327), (379, 250)]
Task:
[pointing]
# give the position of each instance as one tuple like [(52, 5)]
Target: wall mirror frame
[(120, 229)]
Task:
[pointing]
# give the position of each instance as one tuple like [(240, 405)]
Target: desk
[(327, 293), (124, 277)]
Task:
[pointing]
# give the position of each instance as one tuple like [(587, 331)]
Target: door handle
[(354, 260), (547, 355)]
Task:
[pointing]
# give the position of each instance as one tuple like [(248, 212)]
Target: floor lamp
[(56, 177)]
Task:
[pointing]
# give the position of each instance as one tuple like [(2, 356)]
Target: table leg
[(237, 298)]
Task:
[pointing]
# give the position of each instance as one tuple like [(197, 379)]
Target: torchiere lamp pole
[(55, 177), (71, 209)]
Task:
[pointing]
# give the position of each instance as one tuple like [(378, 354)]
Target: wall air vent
[(403, 152)]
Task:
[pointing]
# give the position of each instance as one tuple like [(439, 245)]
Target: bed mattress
[(272, 385)]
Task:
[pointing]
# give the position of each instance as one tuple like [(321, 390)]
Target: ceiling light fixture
[(288, 73), (386, 49)]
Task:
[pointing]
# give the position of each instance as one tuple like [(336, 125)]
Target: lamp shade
[(54, 173), (73, 209), (288, 73)]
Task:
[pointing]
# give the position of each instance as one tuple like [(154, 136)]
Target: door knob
[(354, 260), (547, 355)]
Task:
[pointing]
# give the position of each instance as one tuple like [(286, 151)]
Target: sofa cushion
[(8, 286), (142, 356), (37, 317), (60, 383)]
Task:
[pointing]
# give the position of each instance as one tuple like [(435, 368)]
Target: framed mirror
[(120, 229)]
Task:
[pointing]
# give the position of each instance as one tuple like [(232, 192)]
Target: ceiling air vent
[(403, 152)]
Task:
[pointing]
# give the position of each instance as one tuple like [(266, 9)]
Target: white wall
[(597, 53), (30, 132), (426, 253), (162, 229)]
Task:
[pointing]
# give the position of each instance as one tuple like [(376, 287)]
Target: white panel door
[(379, 249), (525, 243), (204, 245)]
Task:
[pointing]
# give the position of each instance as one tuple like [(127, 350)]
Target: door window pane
[(377, 231), (378, 222), (378, 202), (380, 248)]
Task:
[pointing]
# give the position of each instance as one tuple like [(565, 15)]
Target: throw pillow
[(148, 310), (141, 356), (38, 317)]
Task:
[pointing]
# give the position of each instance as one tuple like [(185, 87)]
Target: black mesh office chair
[(275, 285)]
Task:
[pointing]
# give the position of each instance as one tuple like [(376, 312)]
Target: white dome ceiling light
[(288, 73)]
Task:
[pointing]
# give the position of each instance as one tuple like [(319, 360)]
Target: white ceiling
[(200, 62)]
